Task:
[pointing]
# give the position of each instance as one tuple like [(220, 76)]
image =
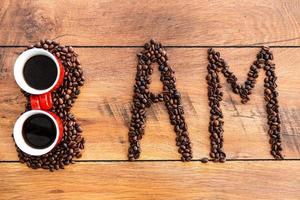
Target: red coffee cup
[(21, 141), (40, 99)]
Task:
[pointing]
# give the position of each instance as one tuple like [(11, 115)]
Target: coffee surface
[(40, 72), (39, 131)]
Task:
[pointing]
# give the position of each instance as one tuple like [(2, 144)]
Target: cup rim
[(18, 136), (19, 66)]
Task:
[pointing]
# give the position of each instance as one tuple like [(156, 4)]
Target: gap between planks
[(167, 160), (165, 46)]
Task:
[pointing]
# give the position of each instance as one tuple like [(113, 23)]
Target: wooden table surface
[(107, 36)]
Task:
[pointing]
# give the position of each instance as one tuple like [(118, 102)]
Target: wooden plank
[(163, 180), (131, 23), (103, 107)]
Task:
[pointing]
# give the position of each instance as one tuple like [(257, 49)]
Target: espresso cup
[(40, 98), (26, 134)]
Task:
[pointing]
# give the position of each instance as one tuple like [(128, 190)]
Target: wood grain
[(115, 29), (154, 180), (103, 107), (117, 22)]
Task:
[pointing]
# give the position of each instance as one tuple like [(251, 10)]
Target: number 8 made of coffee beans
[(47, 135)]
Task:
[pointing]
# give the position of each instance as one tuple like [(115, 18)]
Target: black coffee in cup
[(40, 72), (39, 131)]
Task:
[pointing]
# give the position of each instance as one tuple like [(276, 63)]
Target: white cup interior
[(19, 66), (18, 136)]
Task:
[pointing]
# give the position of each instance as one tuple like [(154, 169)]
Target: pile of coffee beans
[(143, 98), (63, 98), (216, 65)]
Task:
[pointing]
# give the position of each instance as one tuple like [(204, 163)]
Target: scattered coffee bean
[(143, 98), (72, 142), (216, 65), (204, 160)]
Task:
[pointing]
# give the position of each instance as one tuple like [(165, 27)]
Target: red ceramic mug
[(40, 100), (21, 141)]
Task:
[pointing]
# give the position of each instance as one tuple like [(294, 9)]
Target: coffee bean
[(69, 91), (204, 160), (60, 101), (72, 142), (142, 98), (45, 46), (263, 61), (67, 97), (79, 129)]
